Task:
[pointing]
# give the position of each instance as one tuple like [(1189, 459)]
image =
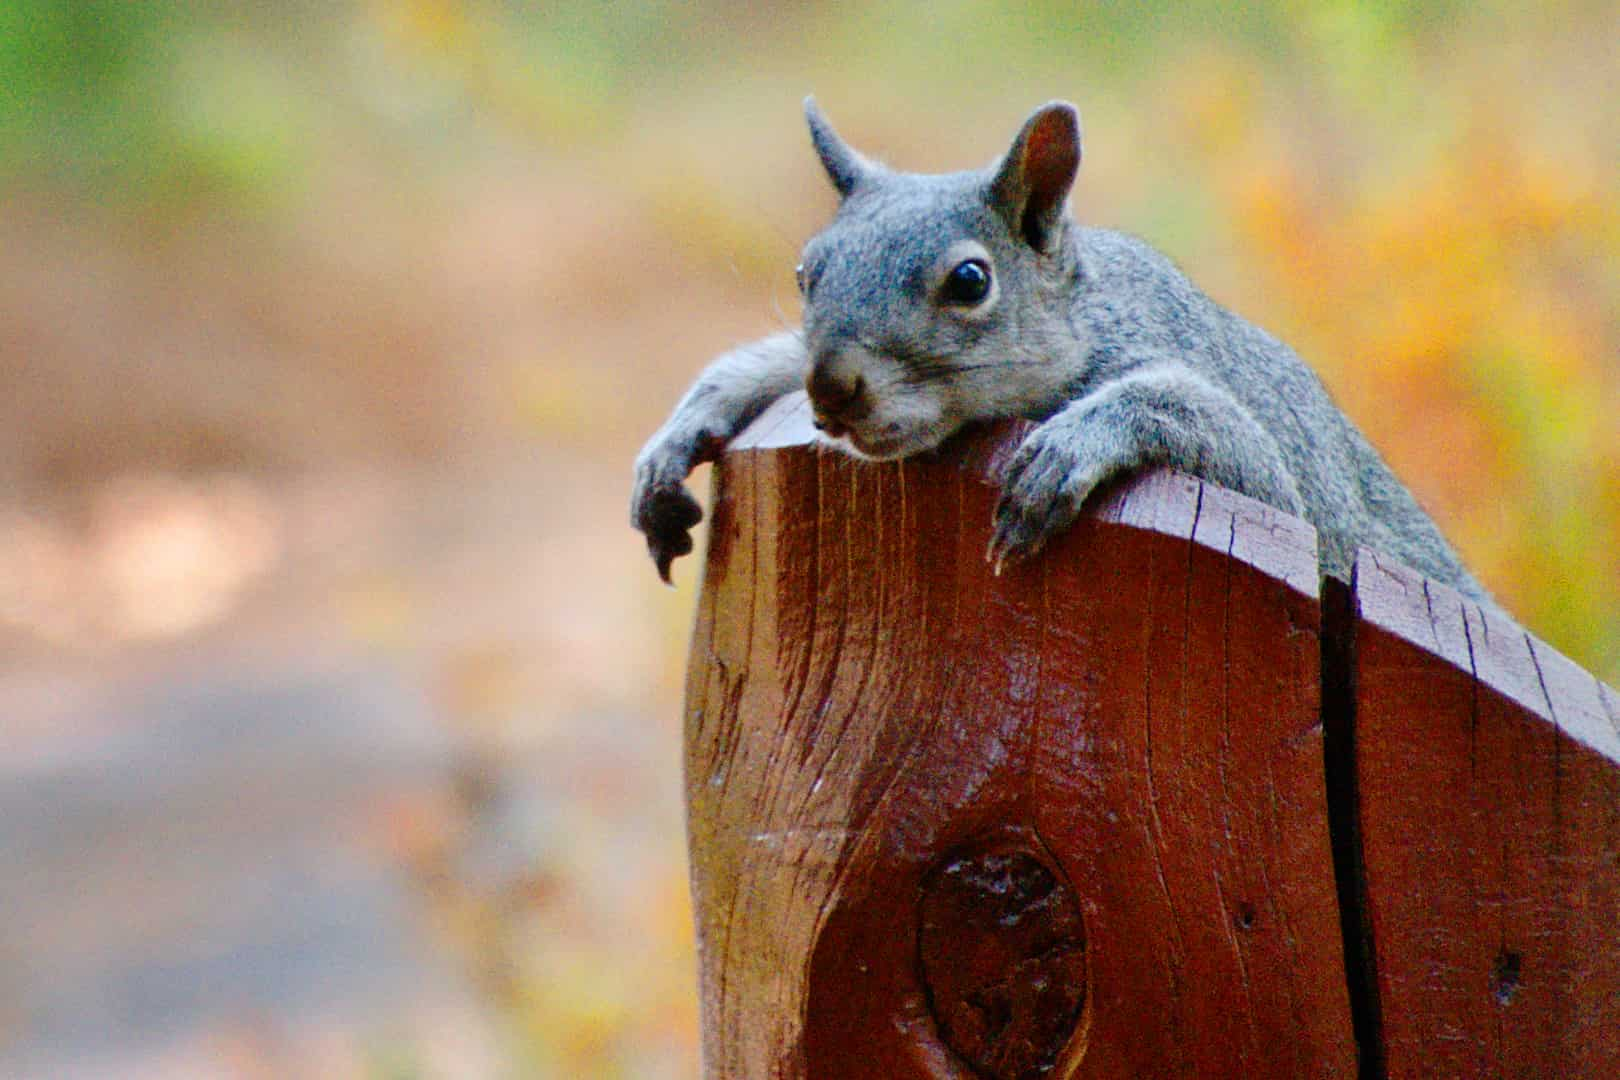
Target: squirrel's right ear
[(1032, 182), (844, 166)]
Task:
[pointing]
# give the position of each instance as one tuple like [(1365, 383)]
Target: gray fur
[(1126, 363)]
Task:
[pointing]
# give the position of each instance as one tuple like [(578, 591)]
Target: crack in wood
[(1339, 618)]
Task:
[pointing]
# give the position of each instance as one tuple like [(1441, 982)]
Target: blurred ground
[(340, 707), (411, 769)]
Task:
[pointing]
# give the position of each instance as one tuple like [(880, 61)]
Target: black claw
[(665, 548)]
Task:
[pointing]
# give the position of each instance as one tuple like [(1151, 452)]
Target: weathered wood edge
[(1277, 544), (1483, 642)]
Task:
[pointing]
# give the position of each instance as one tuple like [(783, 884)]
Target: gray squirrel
[(933, 301)]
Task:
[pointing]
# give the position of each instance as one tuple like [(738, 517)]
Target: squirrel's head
[(932, 301)]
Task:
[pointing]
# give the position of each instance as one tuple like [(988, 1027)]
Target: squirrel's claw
[(1018, 534), (666, 549), (666, 515)]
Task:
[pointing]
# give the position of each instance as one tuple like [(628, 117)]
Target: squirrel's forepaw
[(665, 512), (1041, 495)]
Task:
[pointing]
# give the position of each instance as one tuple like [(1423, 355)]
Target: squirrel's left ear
[(845, 168), (1032, 182)]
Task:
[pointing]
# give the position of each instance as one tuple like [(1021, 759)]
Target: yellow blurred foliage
[(1457, 315)]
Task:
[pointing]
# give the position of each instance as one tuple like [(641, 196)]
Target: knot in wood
[(1003, 951)]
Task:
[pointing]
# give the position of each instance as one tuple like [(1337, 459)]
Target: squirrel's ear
[(1032, 182), (843, 165)]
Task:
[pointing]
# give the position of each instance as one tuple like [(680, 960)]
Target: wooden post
[(1075, 820), (1490, 827)]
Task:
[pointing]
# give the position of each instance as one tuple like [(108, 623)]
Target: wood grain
[(1126, 730), (1489, 776)]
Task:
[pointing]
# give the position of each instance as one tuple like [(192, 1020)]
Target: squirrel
[(933, 301)]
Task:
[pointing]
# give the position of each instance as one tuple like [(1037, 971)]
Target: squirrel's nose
[(832, 392)]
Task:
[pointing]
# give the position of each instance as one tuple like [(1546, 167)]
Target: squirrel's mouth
[(887, 443)]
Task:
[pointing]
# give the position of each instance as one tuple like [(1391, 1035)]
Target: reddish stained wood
[(1489, 776), (1136, 711)]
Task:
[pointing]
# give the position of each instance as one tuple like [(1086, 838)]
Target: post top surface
[(1170, 503)]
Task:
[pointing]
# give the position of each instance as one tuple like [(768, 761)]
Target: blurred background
[(339, 708)]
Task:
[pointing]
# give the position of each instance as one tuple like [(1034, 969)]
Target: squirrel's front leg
[(1159, 415), (729, 394)]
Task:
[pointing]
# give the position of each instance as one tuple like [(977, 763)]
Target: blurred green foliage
[(131, 102), (159, 97)]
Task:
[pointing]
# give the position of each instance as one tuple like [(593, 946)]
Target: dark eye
[(798, 277), (968, 282)]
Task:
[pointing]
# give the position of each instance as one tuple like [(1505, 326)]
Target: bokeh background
[(339, 708)]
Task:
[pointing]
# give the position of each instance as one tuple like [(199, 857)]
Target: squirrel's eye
[(798, 276), (968, 282)]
